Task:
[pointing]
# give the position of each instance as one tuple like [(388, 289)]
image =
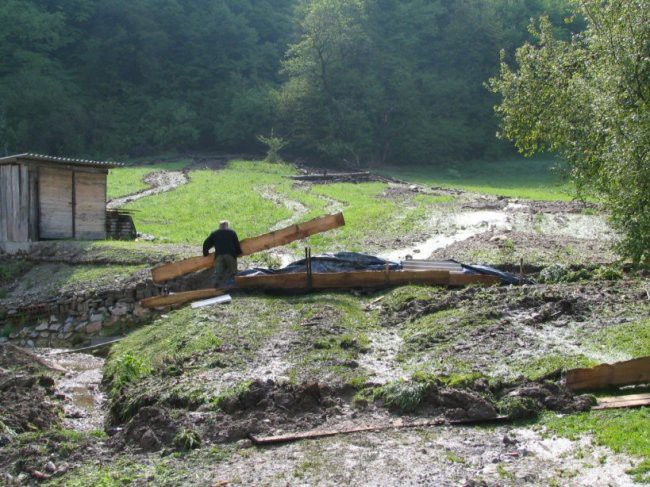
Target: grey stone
[(96, 317), (93, 327), (42, 327), (81, 326)]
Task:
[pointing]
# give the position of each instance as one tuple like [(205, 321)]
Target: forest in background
[(358, 81)]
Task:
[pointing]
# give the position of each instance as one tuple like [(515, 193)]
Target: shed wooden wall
[(14, 203), (38, 201), (55, 198), (90, 206)]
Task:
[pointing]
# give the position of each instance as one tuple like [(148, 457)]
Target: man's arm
[(237, 247), (207, 245)]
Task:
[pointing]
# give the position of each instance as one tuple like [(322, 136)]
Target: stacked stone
[(76, 317)]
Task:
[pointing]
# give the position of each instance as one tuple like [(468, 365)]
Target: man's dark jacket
[(224, 241)]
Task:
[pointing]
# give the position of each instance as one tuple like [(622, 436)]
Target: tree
[(588, 99)]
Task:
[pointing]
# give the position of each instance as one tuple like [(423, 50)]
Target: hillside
[(178, 398)]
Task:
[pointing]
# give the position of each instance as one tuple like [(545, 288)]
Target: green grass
[(517, 178), (129, 180), (538, 367), (633, 339), (189, 213), (622, 430), (192, 211)]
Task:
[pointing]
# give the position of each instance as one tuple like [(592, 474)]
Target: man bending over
[(226, 246)]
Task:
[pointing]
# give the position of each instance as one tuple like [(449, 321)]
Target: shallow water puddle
[(456, 228), (81, 387)]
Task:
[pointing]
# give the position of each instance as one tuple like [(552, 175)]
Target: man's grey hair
[(223, 224)]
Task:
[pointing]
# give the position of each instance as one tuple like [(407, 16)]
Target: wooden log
[(181, 298), (628, 401), (252, 245), (631, 372)]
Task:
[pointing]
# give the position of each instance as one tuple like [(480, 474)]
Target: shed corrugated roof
[(58, 160)]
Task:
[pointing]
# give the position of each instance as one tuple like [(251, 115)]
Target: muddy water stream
[(81, 387)]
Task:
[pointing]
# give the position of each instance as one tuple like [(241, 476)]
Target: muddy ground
[(331, 361)]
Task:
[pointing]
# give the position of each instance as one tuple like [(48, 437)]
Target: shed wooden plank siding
[(14, 203), (90, 205), (55, 203), (49, 197)]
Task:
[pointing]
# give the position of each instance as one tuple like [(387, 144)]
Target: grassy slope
[(189, 213), (517, 178)]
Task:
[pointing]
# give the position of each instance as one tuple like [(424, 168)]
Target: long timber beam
[(251, 245)]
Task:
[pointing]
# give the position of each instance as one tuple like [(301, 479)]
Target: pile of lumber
[(633, 372), (443, 274)]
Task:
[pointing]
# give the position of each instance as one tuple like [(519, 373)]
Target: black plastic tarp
[(353, 261), (338, 262)]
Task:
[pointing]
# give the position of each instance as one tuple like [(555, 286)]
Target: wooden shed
[(47, 198)]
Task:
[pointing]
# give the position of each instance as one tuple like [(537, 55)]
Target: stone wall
[(74, 319)]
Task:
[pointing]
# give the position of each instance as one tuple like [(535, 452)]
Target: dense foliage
[(359, 80), (589, 99)]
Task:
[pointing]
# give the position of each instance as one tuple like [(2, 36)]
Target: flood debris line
[(631, 372), (261, 408), (252, 245)]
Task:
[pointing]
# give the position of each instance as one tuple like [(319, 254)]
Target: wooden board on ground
[(344, 280), (181, 298), (629, 401), (251, 245), (632, 372)]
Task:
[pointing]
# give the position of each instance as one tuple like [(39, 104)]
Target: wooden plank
[(342, 280), (251, 245), (5, 173), (55, 203), (33, 205), (23, 211), (631, 372), (90, 206), (628, 401), (181, 298), (462, 279), (13, 202)]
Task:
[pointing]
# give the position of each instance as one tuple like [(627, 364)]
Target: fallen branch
[(309, 435)]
